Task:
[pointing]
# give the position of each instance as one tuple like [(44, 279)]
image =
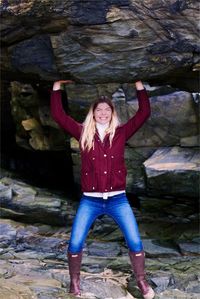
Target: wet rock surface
[(33, 252)]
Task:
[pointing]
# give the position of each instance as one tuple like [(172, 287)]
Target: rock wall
[(108, 41), (35, 242)]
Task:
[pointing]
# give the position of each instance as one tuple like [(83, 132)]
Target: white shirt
[(101, 128)]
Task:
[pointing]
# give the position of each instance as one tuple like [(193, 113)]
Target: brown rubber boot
[(74, 262), (138, 265)]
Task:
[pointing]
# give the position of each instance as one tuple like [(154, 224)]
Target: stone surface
[(33, 260), (170, 113), (32, 203), (174, 171), (105, 249), (155, 250), (189, 248), (112, 41)]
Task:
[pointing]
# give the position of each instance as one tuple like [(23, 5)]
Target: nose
[(102, 113)]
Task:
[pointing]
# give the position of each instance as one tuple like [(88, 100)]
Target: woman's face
[(103, 113)]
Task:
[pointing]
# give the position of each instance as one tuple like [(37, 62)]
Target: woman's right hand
[(57, 84)]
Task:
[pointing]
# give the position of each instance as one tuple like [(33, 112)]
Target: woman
[(103, 178)]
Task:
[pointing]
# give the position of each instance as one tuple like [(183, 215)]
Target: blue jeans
[(116, 207)]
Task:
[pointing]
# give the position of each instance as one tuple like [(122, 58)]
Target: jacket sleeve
[(64, 120), (141, 115)]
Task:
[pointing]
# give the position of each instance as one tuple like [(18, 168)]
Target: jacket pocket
[(119, 178), (88, 181)]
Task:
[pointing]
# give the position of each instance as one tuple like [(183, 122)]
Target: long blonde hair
[(89, 125)]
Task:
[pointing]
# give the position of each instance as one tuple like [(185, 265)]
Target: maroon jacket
[(103, 168)]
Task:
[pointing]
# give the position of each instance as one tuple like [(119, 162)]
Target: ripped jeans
[(116, 207)]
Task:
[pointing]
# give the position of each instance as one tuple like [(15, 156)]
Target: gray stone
[(152, 249), (176, 294), (118, 41), (170, 113), (161, 283), (190, 141), (31, 203), (7, 234), (104, 274), (5, 193), (193, 287), (189, 248), (173, 171), (104, 249)]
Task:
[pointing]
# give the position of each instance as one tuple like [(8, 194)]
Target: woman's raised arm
[(57, 84), (59, 115), (142, 113)]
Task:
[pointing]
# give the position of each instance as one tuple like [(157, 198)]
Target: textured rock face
[(174, 117), (108, 41), (173, 171), (33, 255)]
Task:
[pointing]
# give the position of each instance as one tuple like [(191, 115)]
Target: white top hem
[(104, 195)]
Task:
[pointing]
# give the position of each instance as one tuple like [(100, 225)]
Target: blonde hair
[(89, 125)]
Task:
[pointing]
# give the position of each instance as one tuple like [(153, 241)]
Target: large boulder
[(173, 171), (108, 41), (174, 121)]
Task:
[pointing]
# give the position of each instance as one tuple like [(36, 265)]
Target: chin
[(103, 122)]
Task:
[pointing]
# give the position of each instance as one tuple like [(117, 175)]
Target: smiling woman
[(103, 113), (103, 178), (102, 117)]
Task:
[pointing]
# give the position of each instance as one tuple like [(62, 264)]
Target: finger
[(66, 81)]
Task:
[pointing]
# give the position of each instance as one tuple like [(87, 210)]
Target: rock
[(38, 140), (154, 250), (105, 288), (11, 290), (5, 193), (134, 157), (33, 204), (169, 294), (104, 249), (7, 234), (169, 114), (161, 283), (169, 165), (189, 248), (193, 287), (107, 42), (34, 263), (190, 141)]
